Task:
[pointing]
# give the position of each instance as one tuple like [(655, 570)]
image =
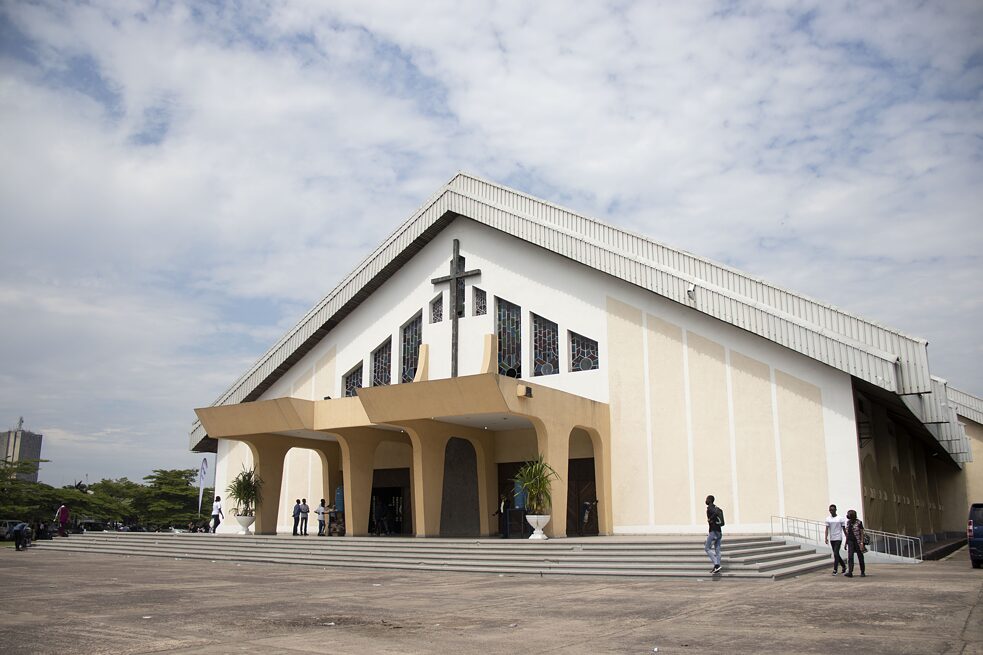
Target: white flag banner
[(201, 481)]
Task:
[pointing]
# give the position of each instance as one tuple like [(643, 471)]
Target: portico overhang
[(424, 414)]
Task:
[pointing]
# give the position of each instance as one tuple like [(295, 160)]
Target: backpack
[(719, 519)]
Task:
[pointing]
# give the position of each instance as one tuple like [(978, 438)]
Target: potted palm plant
[(535, 478), (245, 490)]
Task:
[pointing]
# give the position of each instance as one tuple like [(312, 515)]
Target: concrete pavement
[(71, 603)]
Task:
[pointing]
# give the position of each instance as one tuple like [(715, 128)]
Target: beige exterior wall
[(710, 422), (757, 472), (700, 408), (907, 489), (974, 469), (629, 451), (800, 426), (672, 501)]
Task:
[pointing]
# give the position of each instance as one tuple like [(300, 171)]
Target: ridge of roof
[(686, 253)]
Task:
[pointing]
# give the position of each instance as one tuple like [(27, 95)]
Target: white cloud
[(181, 181)]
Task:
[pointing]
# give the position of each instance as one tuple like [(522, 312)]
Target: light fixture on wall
[(691, 291), (327, 397)]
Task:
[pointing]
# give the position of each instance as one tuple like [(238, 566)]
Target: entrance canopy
[(425, 415)]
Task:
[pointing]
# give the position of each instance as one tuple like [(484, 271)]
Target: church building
[(492, 327)]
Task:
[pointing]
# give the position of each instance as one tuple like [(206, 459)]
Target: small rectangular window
[(382, 364), (583, 353), (437, 309), (353, 381), (546, 346), (480, 302)]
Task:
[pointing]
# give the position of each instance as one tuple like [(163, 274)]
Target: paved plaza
[(82, 603)]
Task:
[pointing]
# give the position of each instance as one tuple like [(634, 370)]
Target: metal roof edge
[(724, 267)]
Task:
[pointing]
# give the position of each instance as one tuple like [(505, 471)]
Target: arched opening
[(582, 515), (459, 509), (304, 479)]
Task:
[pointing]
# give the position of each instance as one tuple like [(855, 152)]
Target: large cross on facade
[(456, 278)]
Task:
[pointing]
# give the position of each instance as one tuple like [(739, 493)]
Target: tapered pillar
[(553, 441), (427, 475), (484, 448), (358, 447), (268, 457)]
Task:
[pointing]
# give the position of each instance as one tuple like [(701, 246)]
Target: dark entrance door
[(581, 498), (386, 512), (459, 512)]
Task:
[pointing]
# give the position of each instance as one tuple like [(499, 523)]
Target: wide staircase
[(645, 557)]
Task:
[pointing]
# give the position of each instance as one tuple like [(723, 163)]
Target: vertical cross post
[(457, 274)]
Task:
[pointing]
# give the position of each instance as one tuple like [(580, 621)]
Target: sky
[(181, 181)]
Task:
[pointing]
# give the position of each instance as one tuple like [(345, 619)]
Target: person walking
[(834, 537), (304, 511), (715, 521), (62, 516), (855, 543), (217, 514), (296, 515), (320, 510), (21, 533)]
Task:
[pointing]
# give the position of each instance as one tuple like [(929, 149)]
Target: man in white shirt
[(319, 510), (217, 513), (835, 525)]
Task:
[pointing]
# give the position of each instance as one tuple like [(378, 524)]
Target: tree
[(170, 499)]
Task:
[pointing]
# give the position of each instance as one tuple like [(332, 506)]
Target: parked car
[(5, 526), (93, 526), (974, 534)]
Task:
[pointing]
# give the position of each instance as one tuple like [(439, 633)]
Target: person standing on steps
[(320, 510), (217, 514), (834, 537), (304, 511), (715, 521), (855, 543), (296, 513), (62, 516)]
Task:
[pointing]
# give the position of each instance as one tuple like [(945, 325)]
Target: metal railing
[(814, 532)]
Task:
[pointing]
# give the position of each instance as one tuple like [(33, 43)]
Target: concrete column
[(553, 441), (427, 475), (358, 447), (268, 456)]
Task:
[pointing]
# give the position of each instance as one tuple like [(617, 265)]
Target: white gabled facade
[(718, 383)]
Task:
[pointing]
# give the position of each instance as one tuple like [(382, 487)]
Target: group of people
[(301, 513), (838, 529), (852, 528)]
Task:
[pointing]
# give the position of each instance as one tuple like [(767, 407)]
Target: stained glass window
[(583, 353), (412, 337), (480, 301), (353, 381), (460, 287), (546, 346), (437, 309), (382, 358), (508, 326)]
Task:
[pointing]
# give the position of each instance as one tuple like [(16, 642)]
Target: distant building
[(21, 445)]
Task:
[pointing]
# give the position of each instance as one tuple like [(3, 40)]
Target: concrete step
[(747, 558)]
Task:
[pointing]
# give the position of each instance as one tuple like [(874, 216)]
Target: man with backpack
[(715, 521)]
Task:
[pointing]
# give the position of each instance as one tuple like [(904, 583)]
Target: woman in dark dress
[(855, 542)]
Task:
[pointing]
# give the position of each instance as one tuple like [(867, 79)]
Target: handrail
[(814, 532)]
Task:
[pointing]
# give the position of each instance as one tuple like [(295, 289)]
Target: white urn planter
[(538, 522), (245, 522)]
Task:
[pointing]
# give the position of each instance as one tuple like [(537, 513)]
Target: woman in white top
[(217, 513)]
